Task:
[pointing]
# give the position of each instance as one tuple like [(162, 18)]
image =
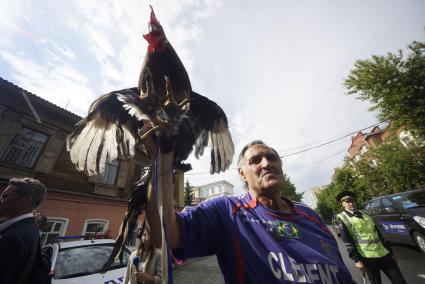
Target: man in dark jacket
[(19, 236), (364, 243)]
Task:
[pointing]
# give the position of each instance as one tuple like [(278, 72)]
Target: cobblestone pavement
[(199, 270)]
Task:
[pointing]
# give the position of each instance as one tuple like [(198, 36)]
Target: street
[(410, 260), (199, 270), (206, 270)]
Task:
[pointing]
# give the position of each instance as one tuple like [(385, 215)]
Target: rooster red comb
[(156, 37), (154, 20)]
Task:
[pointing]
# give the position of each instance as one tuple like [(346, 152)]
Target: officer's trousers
[(388, 265)]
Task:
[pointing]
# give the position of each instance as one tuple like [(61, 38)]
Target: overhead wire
[(310, 148), (331, 141)]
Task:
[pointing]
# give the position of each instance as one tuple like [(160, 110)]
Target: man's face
[(349, 203), (262, 168), (9, 199)]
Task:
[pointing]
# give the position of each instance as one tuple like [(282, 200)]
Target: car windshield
[(80, 261), (410, 200)]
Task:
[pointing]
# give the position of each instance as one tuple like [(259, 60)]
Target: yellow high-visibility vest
[(364, 234)]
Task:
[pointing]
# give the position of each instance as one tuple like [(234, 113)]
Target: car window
[(80, 261), (367, 207), (388, 206), (411, 199), (376, 207)]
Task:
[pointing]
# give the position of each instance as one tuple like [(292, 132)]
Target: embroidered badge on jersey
[(285, 229)]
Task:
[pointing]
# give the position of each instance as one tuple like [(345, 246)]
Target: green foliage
[(394, 85), (343, 179), (397, 169), (288, 190), (189, 195)]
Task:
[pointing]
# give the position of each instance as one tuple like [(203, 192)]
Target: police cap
[(345, 195)]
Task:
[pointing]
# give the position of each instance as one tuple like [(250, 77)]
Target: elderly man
[(364, 243), (19, 238), (258, 237)]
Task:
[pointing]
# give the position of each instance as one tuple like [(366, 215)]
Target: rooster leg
[(169, 104), (169, 97), (144, 135), (182, 105)]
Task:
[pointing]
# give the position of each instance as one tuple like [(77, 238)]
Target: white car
[(80, 262)]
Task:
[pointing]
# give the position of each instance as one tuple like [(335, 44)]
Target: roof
[(72, 244), (394, 194), (16, 88)]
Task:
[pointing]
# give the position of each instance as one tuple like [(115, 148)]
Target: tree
[(189, 195), (397, 169), (395, 86), (289, 190), (343, 179)]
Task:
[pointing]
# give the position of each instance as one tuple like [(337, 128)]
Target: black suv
[(400, 217)]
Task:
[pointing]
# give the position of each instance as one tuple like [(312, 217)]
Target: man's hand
[(360, 265)]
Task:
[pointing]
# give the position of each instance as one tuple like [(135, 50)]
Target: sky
[(276, 67)]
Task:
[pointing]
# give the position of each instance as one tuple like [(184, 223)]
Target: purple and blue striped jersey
[(254, 244)]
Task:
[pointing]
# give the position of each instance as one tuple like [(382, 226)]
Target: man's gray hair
[(241, 158), (29, 187)]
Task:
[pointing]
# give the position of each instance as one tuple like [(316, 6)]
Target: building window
[(95, 227), (55, 227), (357, 158), (25, 148), (109, 176), (363, 149)]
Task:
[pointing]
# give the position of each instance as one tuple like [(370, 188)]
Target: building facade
[(310, 197), (33, 133), (363, 142), (207, 191)]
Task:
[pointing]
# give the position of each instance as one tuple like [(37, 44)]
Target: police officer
[(364, 243)]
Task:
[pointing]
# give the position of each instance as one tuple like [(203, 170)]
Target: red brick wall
[(77, 209), (356, 144)]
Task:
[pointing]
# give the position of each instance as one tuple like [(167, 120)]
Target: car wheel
[(419, 240)]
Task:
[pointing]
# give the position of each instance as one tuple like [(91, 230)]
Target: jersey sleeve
[(199, 226)]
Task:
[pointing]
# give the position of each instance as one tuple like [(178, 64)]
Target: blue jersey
[(254, 244)]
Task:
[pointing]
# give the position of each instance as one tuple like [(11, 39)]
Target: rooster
[(183, 120), (164, 99), (164, 66)]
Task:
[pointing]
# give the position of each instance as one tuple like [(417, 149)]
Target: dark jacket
[(18, 247), (350, 244)]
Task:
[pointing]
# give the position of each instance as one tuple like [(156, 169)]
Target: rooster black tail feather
[(136, 203)]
